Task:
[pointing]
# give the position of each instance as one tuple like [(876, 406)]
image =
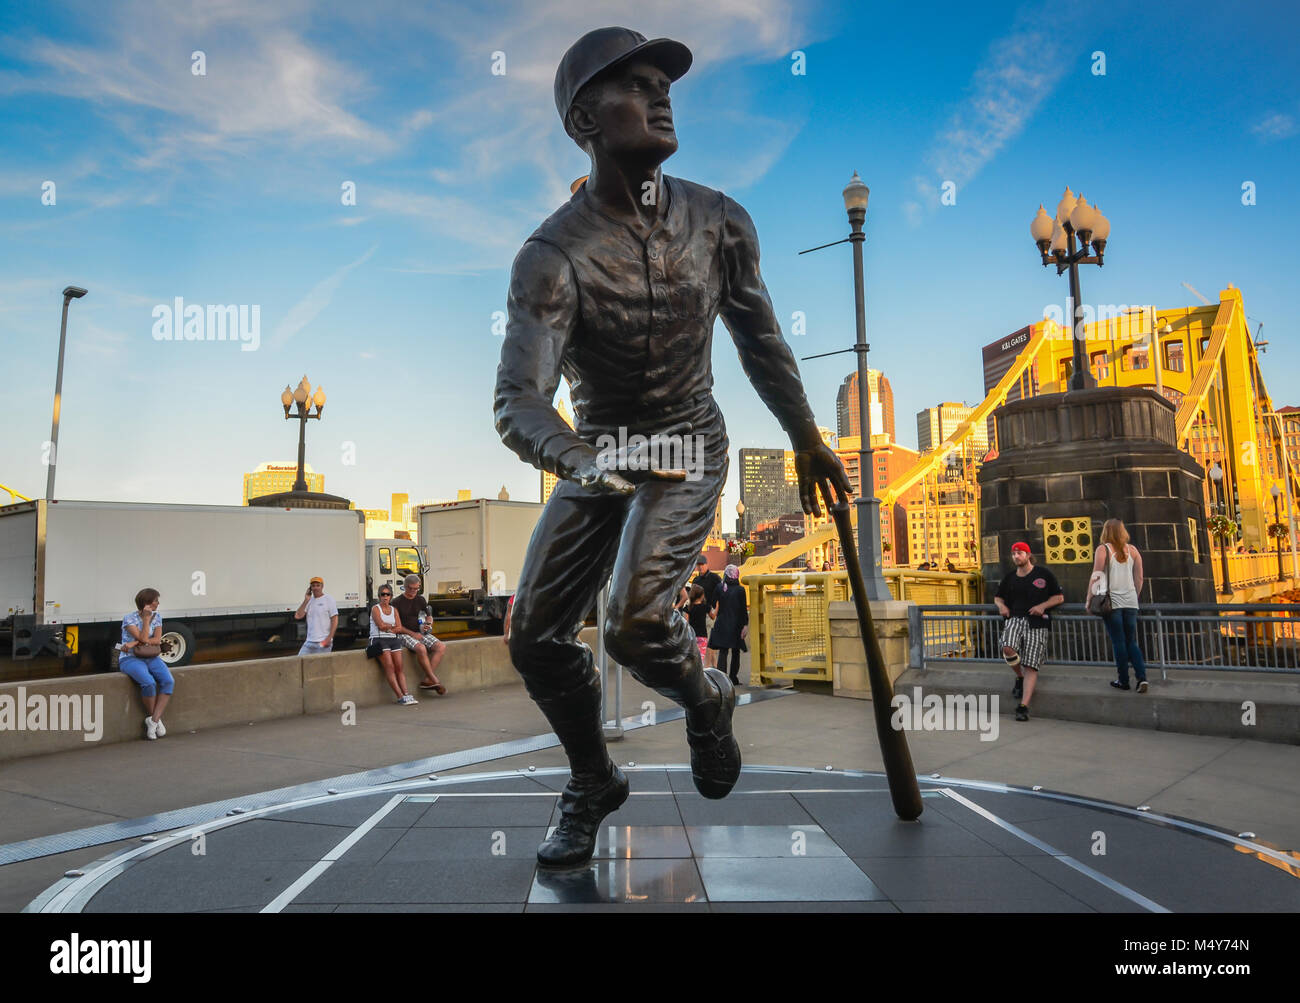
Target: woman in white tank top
[(386, 646), (1118, 570)]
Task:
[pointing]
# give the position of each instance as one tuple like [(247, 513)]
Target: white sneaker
[(409, 700), (160, 729), (150, 729)]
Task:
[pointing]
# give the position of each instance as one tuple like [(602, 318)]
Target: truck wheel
[(178, 644)]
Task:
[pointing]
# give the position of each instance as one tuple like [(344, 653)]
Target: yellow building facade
[(272, 478)]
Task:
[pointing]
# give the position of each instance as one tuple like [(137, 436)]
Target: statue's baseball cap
[(603, 49), (1021, 546)]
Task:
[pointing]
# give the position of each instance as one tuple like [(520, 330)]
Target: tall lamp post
[(1275, 491), (740, 517), (303, 398), (69, 294), (869, 552), (1055, 240), (1216, 475)]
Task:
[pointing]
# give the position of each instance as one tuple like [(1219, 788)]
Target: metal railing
[(1246, 570), (1254, 637)]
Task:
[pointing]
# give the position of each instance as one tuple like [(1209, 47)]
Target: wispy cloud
[(309, 307), (1019, 71), (1276, 126)]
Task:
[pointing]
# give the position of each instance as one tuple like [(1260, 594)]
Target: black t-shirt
[(1023, 593), (698, 615), (410, 609), (709, 582)]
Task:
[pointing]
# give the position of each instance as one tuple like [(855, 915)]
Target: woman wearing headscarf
[(732, 624)]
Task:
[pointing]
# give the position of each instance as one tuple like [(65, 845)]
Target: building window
[(1137, 357), (1174, 356), (1100, 365)]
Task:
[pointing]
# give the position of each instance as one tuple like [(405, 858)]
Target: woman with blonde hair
[(1118, 566)]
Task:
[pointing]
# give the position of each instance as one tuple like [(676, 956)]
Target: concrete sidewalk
[(1229, 782)]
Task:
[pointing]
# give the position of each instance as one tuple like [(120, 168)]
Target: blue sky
[(225, 188)]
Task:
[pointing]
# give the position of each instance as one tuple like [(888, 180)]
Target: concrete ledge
[(1196, 703), (222, 693)]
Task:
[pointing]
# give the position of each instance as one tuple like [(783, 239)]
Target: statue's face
[(634, 117)]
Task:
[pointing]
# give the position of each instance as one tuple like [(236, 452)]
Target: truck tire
[(181, 641)]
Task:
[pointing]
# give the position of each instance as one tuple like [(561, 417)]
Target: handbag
[(147, 650), (1099, 603)]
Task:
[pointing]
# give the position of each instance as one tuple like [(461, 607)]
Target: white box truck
[(475, 552), (70, 570)]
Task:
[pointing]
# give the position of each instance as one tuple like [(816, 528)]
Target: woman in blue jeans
[(1124, 581), (151, 674)]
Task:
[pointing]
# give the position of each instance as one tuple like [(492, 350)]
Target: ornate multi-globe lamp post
[(302, 399), (1221, 525), (1056, 243)]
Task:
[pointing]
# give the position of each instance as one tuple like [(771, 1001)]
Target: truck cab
[(389, 561)]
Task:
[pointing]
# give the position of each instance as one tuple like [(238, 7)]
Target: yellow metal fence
[(789, 622)]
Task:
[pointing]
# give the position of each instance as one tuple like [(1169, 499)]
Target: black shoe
[(1018, 690), (1118, 685), (1022, 713), (715, 754), (574, 839)]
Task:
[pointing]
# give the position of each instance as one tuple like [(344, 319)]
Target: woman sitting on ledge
[(141, 648)]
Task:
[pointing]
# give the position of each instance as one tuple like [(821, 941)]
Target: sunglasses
[(385, 595)]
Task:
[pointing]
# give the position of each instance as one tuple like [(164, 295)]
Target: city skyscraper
[(935, 424), (881, 404), (549, 480), (273, 478), (768, 486)]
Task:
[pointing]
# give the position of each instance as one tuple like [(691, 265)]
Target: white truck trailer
[(70, 570), (475, 552)]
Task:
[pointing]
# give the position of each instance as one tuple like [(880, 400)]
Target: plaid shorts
[(428, 640), (1030, 642)]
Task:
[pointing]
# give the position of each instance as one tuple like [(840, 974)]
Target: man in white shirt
[(322, 615)]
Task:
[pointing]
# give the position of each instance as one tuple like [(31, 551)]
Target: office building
[(881, 405), (273, 478)]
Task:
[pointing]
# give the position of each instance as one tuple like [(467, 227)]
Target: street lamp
[(1216, 475), (740, 516), (1276, 491), (69, 294), (869, 550), (302, 399), (1055, 240)]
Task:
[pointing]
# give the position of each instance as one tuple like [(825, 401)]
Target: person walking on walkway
[(1119, 565), (732, 623), (1023, 599)]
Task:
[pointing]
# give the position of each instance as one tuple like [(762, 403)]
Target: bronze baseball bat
[(899, 771)]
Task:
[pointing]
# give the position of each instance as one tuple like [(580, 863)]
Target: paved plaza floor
[(312, 814)]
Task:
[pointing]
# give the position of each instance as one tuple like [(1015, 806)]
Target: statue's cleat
[(715, 754), (574, 839)]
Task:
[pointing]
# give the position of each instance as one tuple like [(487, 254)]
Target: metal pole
[(1290, 520), (1277, 519), (613, 731), (1081, 378), (58, 402), (301, 483), (867, 504)]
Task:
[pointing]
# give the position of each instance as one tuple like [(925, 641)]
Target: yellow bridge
[(1205, 362)]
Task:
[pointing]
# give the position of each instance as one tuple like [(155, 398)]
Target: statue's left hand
[(819, 468)]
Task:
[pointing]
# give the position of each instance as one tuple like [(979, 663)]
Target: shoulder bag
[(1099, 603)]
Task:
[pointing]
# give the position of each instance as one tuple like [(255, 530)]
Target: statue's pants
[(649, 541)]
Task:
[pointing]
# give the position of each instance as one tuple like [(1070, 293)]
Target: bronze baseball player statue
[(618, 291)]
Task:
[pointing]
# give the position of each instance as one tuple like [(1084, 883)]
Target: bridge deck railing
[(1253, 637)]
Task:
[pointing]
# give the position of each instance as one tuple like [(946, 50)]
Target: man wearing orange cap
[(322, 616), (618, 291), (1023, 599)]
